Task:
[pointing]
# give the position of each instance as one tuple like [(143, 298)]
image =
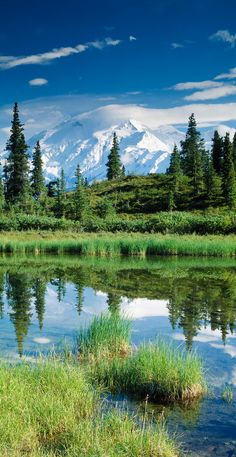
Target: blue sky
[(90, 53)]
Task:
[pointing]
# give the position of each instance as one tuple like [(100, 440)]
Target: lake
[(44, 300)]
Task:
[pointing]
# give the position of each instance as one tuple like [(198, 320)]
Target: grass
[(113, 245), (227, 394), (107, 336), (51, 410), (158, 370)]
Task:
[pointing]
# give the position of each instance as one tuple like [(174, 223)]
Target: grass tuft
[(107, 336), (51, 410), (158, 370)]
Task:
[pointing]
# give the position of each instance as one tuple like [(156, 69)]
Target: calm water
[(43, 301)]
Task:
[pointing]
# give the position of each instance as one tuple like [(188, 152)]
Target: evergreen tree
[(16, 169), (80, 199), (2, 196), (114, 165), (193, 156), (234, 151), (175, 169), (37, 178), (213, 185), (217, 152), (228, 173), (60, 195)]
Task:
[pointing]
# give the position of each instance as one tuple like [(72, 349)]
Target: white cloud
[(38, 82), (7, 62), (197, 85), (230, 75), (212, 94), (132, 38), (177, 45), (224, 35), (134, 92)]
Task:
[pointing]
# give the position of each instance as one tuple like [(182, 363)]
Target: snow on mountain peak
[(87, 138)]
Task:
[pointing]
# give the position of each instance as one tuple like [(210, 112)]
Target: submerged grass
[(50, 409), (158, 370), (118, 244)]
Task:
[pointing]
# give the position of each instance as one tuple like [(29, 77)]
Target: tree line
[(196, 177), (209, 175), (23, 184)]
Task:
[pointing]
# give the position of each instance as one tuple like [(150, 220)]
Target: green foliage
[(107, 336), (213, 186), (16, 170), (217, 152), (158, 370), (60, 196), (114, 165), (192, 156), (80, 197), (228, 173), (37, 178)]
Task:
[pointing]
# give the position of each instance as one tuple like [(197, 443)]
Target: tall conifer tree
[(217, 152), (193, 156), (234, 152), (228, 173), (80, 200), (17, 167), (37, 178), (60, 195), (114, 165)]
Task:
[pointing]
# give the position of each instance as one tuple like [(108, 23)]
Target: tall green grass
[(120, 245), (107, 336), (157, 370), (51, 410)]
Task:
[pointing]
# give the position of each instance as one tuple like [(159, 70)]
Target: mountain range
[(87, 138)]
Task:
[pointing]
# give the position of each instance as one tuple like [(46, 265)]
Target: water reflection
[(192, 297)]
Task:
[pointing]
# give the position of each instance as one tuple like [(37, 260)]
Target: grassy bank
[(157, 370), (118, 244), (51, 410)]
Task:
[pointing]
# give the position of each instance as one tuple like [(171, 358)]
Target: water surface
[(44, 300)]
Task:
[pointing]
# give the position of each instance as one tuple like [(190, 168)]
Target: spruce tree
[(37, 178), (60, 195), (193, 156), (228, 173), (114, 165), (175, 168), (17, 167), (2, 196), (213, 185), (217, 152), (234, 151), (80, 200)]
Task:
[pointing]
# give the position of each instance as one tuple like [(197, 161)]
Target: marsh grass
[(111, 245), (50, 409), (108, 336), (158, 370)]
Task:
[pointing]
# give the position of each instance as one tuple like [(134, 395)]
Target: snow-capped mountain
[(84, 141), (87, 138)]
